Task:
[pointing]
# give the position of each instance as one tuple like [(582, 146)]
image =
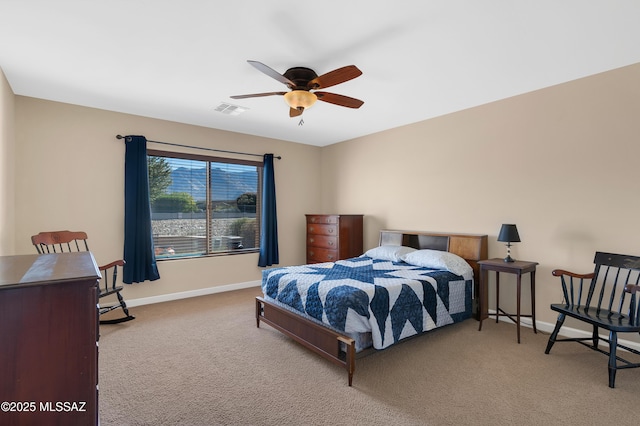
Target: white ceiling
[(178, 60)]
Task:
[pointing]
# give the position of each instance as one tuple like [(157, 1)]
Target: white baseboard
[(191, 293), (568, 332)]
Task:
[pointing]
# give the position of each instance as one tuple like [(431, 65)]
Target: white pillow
[(437, 259), (392, 253)]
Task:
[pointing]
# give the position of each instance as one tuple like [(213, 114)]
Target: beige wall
[(7, 158), (561, 163), (70, 175)]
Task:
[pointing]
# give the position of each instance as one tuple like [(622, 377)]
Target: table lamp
[(509, 234)]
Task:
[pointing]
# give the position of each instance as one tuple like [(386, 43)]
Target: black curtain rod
[(206, 149)]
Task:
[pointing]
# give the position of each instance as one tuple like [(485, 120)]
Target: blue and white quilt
[(390, 300)]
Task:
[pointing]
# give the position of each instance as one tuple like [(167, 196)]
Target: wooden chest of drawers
[(48, 339), (332, 237)]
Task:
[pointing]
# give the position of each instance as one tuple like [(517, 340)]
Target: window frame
[(209, 211)]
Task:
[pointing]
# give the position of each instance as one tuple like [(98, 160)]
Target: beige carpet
[(202, 361)]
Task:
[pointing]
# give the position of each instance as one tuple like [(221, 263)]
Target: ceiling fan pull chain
[(301, 122)]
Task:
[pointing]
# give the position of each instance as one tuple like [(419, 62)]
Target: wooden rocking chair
[(66, 242)]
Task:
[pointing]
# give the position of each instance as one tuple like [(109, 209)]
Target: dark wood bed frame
[(327, 342)]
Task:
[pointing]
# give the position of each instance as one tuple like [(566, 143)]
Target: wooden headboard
[(470, 247)]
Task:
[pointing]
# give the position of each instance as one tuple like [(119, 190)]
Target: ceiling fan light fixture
[(300, 99)]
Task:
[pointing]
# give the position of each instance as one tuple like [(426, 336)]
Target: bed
[(411, 283)]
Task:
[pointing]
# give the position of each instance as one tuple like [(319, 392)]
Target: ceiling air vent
[(229, 109)]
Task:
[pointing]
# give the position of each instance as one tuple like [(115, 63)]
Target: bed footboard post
[(350, 361), (258, 311)]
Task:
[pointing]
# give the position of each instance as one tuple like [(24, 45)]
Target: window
[(203, 205)]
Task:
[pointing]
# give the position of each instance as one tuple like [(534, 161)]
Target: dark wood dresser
[(332, 237), (48, 339)]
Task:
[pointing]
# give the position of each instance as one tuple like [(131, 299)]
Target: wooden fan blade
[(341, 100), (272, 73), (334, 77), (256, 95), (293, 112)]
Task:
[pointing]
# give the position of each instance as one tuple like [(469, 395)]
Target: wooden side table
[(517, 267)]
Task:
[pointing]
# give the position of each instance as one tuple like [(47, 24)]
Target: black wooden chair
[(605, 298), (68, 241)]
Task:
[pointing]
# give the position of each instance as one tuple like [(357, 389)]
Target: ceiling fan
[(301, 81)]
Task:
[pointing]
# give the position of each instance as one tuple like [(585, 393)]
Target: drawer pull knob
[(330, 257), (330, 243), (330, 231), (311, 240), (311, 229)]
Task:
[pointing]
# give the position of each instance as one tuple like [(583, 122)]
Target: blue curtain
[(138, 241), (269, 221)]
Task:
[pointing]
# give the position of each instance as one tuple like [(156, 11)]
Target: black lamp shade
[(509, 234)]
